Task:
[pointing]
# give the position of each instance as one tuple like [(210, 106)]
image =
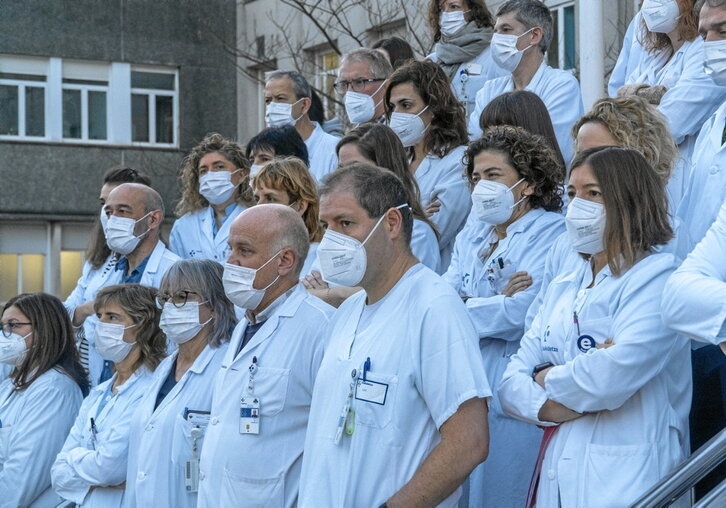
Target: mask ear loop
[(523, 196)]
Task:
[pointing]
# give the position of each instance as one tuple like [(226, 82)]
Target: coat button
[(714, 170), (201, 476), (551, 474), (141, 475), (149, 427), (214, 420)]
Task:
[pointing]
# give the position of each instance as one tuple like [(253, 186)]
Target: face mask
[(585, 222), (409, 128), (279, 114), (360, 107), (714, 61), (181, 324), (493, 201), (110, 341), (217, 186), (661, 16), (452, 22), (120, 234), (239, 285), (343, 259), (255, 168), (12, 349), (104, 218), (504, 50)]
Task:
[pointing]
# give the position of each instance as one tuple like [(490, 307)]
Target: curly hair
[(448, 124), (687, 29), (191, 199), (530, 155), (478, 13), (291, 175), (635, 124)]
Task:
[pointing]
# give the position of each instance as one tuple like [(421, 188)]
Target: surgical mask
[(12, 349), (104, 218), (343, 259), (255, 168), (119, 233), (409, 128), (714, 61), (493, 201), (504, 50), (110, 341), (181, 324), (585, 222), (239, 283), (661, 16), (217, 186), (279, 114), (360, 107), (452, 22)]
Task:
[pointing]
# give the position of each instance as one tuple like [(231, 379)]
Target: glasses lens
[(358, 84), (6, 330), (341, 87), (180, 299)]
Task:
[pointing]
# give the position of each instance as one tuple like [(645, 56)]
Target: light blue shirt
[(228, 212)]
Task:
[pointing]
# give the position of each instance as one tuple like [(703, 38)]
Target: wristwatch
[(539, 368)]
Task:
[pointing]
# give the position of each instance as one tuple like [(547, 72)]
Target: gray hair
[(300, 85), (531, 13), (377, 62), (204, 276), (375, 189), (291, 234)]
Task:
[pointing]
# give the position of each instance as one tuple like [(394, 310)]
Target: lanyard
[(253, 371)]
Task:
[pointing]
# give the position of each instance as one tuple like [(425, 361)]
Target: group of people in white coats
[(407, 315)]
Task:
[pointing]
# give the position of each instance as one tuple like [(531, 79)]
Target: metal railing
[(714, 499), (671, 487)]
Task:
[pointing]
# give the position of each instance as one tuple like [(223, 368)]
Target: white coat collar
[(198, 367), (155, 259), (517, 226)]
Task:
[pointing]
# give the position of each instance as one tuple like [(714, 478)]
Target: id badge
[(191, 475), (371, 391), (249, 415), (198, 418), (473, 69)]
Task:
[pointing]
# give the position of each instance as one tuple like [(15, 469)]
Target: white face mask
[(661, 16), (409, 128), (714, 61), (239, 284), (585, 222), (493, 202), (217, 186), (120, 234), (103, 218), (343, 259), (181, 324), (452, 22), (255, 168), (360, 107), (279, 114), (110, 341), (12, 349), (504, 50)]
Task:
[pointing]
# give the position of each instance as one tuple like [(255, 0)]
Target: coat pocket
[(248, 492)]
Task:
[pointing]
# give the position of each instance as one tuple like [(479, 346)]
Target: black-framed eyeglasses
[(9, 328), (178, 299), (357, 84)]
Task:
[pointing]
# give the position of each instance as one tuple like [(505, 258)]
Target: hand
[(433, 207), (82, 312), (519, 281), (608, 343), (314, 281), (540, 377), (120, 486)]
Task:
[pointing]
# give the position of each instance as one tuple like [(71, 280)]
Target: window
[(84, 109), (153, 98), (562, 53), (20, 273), (326, 65), (22, 105)]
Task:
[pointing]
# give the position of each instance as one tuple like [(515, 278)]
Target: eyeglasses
[(9, 328), (178, 299), (357, 84)]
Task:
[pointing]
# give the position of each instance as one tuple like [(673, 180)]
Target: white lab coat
[(264, 469), (471, 76), (558, 89), (425, 246), (192, 235), (91, 281), (35, 422), (421, 344), (443, 178), (322, 155), (81, 465), (691, 98), (707, 178), (501, 480), (160, 441), (694, 299), (631, 54), (310, 260), (636, 393)]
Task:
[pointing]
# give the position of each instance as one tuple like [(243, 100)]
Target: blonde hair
[(191, 199), (291, 175), (635, 124)]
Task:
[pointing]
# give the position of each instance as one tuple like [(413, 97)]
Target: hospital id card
[(191, 475), (198, 418), (371, 391), (249, 415)]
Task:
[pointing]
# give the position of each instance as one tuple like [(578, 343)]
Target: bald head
[(268, 229), (143, 196)]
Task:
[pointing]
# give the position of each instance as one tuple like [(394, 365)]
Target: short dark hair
[(283, 141), (532, 158), (316, 113), (399, 51), (375, 189), (125, 174), (531, 13), (636, 203), (524, 109)]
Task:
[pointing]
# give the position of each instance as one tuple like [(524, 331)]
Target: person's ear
[(394, 221), (288, 259), (305, 104), (527, 188), (155, 219), (536, 36)]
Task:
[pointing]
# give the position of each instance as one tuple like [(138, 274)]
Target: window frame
[(152, 93), (22, 127), (84, 89)]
